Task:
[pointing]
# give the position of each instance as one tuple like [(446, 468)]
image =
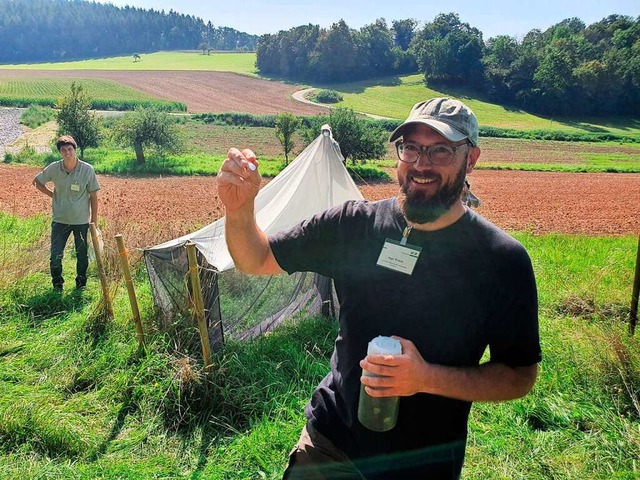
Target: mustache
[(406, 187)]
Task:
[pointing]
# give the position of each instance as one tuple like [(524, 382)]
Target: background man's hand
[(238, 180)]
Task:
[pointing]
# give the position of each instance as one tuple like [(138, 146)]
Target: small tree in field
[(359, 139), (147, 127), (286, 126), (75, 118)]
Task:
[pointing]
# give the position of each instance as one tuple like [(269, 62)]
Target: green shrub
[(27, 154), (36, 115), (237, 119), (328, 96)]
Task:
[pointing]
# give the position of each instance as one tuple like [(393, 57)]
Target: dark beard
[(418, 208)]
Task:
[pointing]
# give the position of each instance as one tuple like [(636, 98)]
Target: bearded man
[(422, 268)]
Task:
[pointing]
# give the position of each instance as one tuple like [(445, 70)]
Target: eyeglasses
[(440, 155)]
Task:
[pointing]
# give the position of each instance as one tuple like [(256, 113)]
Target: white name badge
[(75, 187), (401, 258)]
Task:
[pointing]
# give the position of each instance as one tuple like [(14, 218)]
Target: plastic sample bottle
[(379, 413)]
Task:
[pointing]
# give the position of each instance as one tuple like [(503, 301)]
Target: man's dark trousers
[(59, 236)]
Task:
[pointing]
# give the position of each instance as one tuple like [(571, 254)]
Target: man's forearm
[(489, 382), (248, 245), (43, 188)]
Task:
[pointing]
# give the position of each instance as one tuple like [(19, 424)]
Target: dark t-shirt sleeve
[(311, 246), (514, 337)]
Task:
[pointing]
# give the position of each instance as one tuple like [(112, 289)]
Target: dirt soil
[(202, 92), (590, 204)]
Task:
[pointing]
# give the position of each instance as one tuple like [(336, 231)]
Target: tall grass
[(36, 115), (80, 403), (21, 245)]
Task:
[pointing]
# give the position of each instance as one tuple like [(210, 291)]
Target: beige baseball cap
[(450, 118)]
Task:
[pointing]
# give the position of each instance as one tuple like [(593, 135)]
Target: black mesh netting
[(236, 305)]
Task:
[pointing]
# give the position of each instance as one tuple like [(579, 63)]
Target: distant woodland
[(55, 30), (568, 69)]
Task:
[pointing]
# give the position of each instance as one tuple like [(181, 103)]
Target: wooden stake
[(126, 271), (633, 313), (198, 304), (103, 277)]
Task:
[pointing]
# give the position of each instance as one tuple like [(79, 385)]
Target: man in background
[(74, 205), (421, 267)]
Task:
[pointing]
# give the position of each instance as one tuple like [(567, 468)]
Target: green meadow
[(390, 97), (237, 62)]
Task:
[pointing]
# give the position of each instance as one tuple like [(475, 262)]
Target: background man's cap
[(450, 118)]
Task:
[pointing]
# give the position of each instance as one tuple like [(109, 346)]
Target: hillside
[(57, 30)]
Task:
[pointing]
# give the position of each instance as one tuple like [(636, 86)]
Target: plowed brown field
[(208, 92), (590, 204)]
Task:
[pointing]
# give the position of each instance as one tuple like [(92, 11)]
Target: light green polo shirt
[(71, 191)]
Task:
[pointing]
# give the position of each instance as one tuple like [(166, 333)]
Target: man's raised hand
[(238, 179)]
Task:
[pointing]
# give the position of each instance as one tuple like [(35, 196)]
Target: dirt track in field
[(202, 92), (590, 204)]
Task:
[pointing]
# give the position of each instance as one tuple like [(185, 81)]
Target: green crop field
[(243, 63), (23, 91)]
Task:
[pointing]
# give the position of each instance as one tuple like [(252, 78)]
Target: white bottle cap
[(384, 346)]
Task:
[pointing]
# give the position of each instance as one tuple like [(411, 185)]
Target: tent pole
[(101, 274), (198, 305), (633, 312), (124, 263)]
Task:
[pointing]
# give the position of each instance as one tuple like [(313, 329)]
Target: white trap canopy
[(247, 306), (315, 181)]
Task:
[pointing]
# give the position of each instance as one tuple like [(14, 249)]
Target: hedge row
[(249, 120), (165, 106), (557, 135)]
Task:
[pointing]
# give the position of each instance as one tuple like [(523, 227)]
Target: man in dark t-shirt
[(443, 281)]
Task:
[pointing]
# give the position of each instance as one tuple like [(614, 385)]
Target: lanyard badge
[(399, 255)]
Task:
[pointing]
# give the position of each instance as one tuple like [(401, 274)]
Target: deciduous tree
[(76, 119), (359, 139), (147, 127), (286, 126)]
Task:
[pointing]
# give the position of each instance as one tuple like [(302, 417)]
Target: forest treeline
[(55, 30), (568, 69)]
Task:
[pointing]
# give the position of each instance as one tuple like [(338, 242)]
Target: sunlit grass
[(238, 62), (393, 97)]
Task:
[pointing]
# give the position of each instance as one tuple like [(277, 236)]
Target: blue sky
[(491, 17)]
